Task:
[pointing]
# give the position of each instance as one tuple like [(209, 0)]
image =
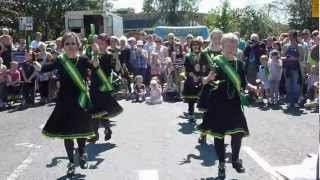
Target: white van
[(104, 22)]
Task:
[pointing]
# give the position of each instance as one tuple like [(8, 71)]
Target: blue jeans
[(292, 85)]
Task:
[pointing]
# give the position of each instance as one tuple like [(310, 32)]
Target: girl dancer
[(209, 53), (104, 104), (192, 84), (225, 112), (70, 119)]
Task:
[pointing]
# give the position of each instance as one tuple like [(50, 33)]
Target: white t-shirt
[(161, 53), (262, 76), (35, 44), (275, 69)]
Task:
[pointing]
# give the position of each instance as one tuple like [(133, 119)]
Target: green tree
[(148, 6), (300, 15), (246, 20), (10, 12), (174, 12), (48, 15), (222, 17)]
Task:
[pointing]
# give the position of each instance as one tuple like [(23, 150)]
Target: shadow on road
[(74, 177), (206, 153), (197, 115), (94, 150), (187, 127), (294, 111), (22, 108), (212, 178), (55, 161)]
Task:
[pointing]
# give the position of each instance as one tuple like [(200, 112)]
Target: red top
[(15, 75)]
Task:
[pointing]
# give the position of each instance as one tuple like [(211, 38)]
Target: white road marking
[(261, 162), (22, 167), (305, 170), (29, 145), (148, 175)]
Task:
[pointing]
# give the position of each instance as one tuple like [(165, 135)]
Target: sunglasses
[(70, 44), (157, 41), (275, 54)]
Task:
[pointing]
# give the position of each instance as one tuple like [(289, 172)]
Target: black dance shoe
[(71, 169), (221, 171), (83, 162), (237, 165), (107, 134)]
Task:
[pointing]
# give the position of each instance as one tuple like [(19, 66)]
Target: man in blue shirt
[(138, 58)]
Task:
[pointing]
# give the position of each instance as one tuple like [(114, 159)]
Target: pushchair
[(14, 94), (120, 86)]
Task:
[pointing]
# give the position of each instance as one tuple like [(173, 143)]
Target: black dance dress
[(104, 105), (192, 86), (205, 69), (68, 120), (225, 115)]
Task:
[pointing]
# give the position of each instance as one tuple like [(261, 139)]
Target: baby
[(155, 93), (139, 89)]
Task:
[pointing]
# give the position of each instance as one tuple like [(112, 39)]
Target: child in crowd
[(13, 79), (171, 91), (275, 67), (155, 92), (3, 76), (263, 74), (312, 87), (29, 77), (139, 89), (155, 65)]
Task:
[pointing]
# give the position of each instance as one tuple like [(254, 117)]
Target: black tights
[(235, 147), (191, 108), (69, 145)]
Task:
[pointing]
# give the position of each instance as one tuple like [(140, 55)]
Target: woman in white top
[(44, 58), (162, 52)]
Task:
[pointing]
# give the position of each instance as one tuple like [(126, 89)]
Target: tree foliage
[(174, 12), (245, 20), (48, 15), (300, 15)]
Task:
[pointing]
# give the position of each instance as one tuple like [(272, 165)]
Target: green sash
[(84, 98), (106, 84), (233, 76)]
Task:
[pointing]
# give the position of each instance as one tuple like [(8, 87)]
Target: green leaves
[(246, 20), (174, 12), (300, 15), (48, 15)]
